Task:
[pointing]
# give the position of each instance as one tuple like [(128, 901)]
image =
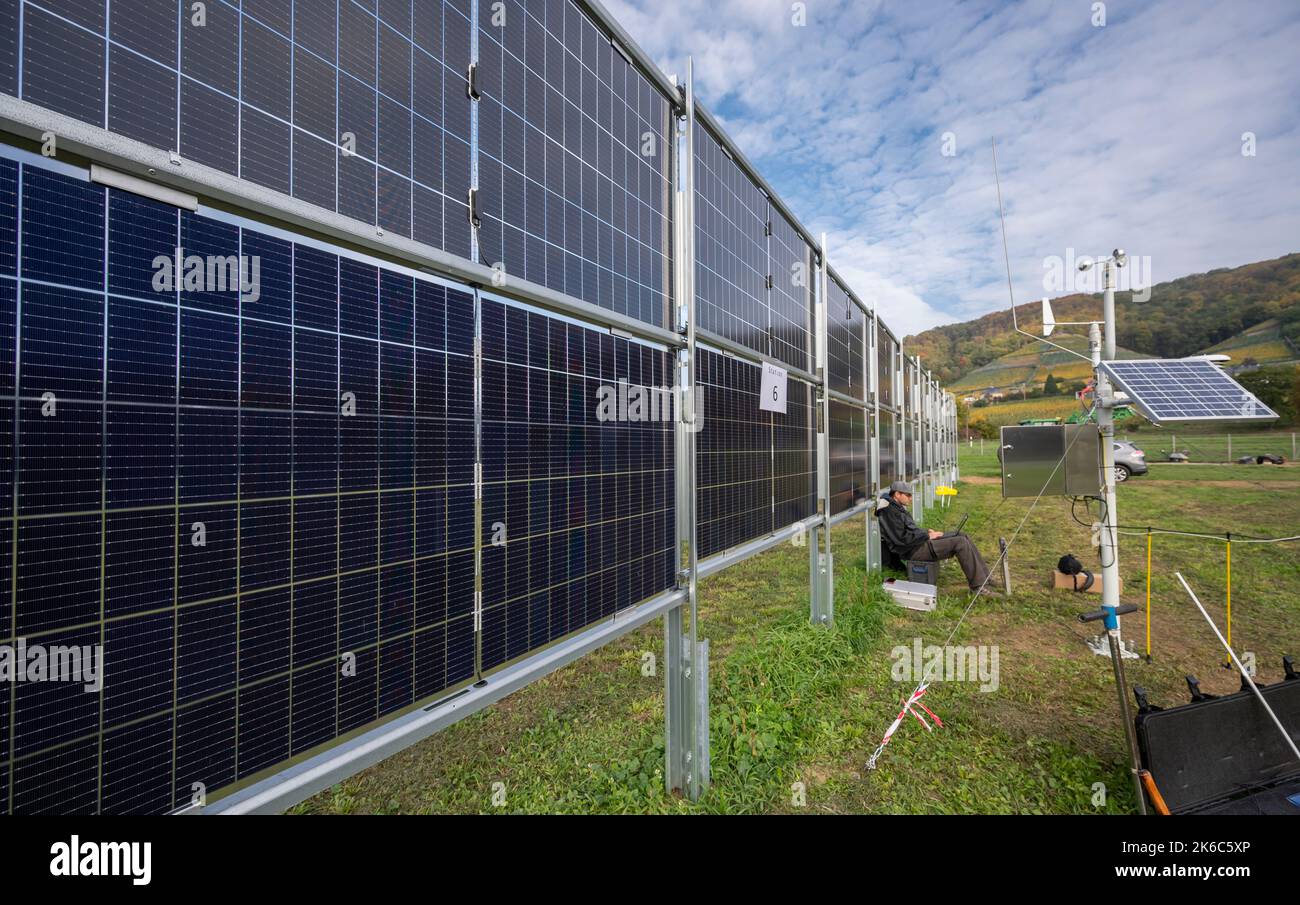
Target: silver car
[(1129, 460)]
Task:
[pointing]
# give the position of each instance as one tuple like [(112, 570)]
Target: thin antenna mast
[(1006, 256)]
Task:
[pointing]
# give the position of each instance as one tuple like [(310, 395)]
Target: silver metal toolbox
[(912, 594)]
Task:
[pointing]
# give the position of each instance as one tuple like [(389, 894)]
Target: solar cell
[(1188, 389)]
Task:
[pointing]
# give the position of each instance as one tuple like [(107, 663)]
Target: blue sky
[(1127, 134)]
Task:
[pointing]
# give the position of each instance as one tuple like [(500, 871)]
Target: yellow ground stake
[(1228, 664), (1148, 595)]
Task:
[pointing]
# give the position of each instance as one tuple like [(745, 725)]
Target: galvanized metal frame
[(821, 582), (686, 736), (299, 782)]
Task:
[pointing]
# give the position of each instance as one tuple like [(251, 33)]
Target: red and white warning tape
[(908, 706)]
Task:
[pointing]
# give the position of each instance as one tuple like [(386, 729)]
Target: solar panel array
[(356, 107), (573, 160), (261, 500), (234, 495), (578, 516), (1189, 389)]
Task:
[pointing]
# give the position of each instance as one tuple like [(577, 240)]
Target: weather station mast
[(1104, 399)]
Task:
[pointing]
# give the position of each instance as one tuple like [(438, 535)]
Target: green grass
[(791, 703)]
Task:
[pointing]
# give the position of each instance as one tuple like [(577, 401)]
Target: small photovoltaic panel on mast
[(1185, 389)]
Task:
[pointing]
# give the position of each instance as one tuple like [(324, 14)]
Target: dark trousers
[(961, 547)]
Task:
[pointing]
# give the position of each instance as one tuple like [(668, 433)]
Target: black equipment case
[(1224, 755)]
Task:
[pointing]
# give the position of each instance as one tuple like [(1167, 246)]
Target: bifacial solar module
[(1188, 389), (573, 160), (794, 464), (887, 363), (731, 260), (360, 109), (733, 454), (756, 469), (889, 462), (848, 455), (790, 264), (255, 501), (578, 486), (845, 342)]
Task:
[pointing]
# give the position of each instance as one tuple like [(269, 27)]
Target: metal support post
[(821, 594), (686, 701)]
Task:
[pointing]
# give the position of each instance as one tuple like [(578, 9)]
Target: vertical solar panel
[(733, 454), (578, 515), (889, 463), (848, 456), (731, 264), (886, 366), (794, 467), (257, 505), (573, 160), (845, 325), (790, 266), (360, 109)]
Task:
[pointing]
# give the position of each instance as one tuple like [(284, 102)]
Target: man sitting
[(908, 541)]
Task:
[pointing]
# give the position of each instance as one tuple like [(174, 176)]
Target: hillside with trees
[(1183, 317)]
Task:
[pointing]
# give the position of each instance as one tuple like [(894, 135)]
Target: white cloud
[(1126, 135)]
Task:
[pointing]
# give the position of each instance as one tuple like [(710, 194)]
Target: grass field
[(791, 703)]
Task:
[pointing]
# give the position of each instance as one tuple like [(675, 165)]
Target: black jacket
[(898, 531)]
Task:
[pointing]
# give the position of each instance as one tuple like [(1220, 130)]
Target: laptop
[(960, 525)]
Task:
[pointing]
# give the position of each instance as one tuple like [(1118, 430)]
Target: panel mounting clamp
[(471, 82)]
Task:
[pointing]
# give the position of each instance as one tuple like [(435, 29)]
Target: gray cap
[(900, 487)]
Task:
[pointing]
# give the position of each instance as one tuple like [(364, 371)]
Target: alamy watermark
[(1063, 275), (949, 663), (210, 273), (630, 402), (23, 662)]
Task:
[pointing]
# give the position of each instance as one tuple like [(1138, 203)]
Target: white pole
[(1108, 307), (1106, 429), (1249, 681)]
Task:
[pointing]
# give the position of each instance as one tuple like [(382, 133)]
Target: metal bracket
[(471, 82)]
